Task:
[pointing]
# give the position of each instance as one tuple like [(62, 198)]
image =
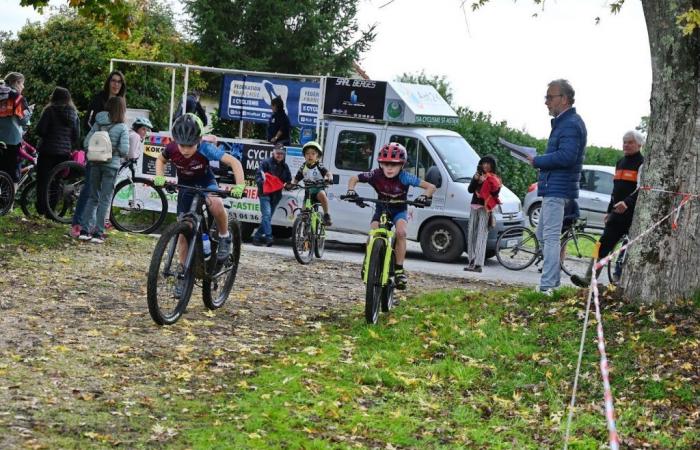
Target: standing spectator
[(193, 106), (59, 130), (115, 86), (278, 128), (559, 175), (484, 187), (618, 220), (14, 117), (138, 131), (271, 177), (102, 175)]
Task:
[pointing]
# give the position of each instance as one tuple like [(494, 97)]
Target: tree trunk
[(665, 265)]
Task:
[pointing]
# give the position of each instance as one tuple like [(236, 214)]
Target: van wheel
[(247, 229), (442, 240), (534, 213)]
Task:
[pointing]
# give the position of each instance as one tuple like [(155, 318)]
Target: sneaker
[(84, 235), (548, 292), (268, 242), (75, 231), (327, 220), (580, 281), (401, 279), (223, 251), (473, 269), (98, 238), (257, 242), (469, 268), (108, 225)]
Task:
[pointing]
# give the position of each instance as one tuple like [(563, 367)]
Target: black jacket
[(59, 130), (625, 182), (193, 106), (97, 104)]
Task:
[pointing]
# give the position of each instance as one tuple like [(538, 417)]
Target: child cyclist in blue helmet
[(392, 183), (191, 155)]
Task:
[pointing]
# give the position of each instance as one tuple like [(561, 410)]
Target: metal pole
[(111, 65), (172, 100), (184, 92)]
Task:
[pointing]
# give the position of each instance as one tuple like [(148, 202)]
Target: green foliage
[(439, 82), (116, 14), (304, 36), (74, 52)]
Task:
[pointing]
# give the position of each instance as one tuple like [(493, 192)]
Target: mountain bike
[(63, 186), (138, 205), (170, 283), (308, 230), (518, 248), (7, 188), (378, 264), (26, 190)]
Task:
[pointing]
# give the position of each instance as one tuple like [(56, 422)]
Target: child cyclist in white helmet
[(191, 155), (312, 171), (392, 182)]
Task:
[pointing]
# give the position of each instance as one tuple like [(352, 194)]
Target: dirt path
[(77, 340)]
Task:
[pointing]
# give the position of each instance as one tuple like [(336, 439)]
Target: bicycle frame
[(382, 232)]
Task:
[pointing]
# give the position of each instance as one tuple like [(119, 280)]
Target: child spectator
[(484, 187), (138, 131)]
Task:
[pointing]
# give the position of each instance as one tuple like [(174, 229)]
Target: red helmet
[(393, 152)]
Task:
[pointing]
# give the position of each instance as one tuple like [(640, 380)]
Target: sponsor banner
[(360, 99), (436, 120), (249, 98)]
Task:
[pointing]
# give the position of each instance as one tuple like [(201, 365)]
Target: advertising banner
[(360, 99), (249, 98)]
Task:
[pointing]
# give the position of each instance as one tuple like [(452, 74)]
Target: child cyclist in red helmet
[(392, 182)]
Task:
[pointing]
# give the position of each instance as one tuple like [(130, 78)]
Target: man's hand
[(289, 186), (351, 194), (620, 207), (237, 191), (531, 160), (605, 218), (159, 181)]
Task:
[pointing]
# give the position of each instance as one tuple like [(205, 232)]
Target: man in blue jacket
[(559, 175)]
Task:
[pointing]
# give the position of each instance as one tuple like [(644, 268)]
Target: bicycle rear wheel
[(301, 239), (28, 198), (373, 292), (215, 288), (320, 238), (577, 251), (7, 193), (138, 206), (166, 276), (517, 248), (63, 189)]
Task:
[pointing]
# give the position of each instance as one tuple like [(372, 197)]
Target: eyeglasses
[(116, 80), (551, 97)]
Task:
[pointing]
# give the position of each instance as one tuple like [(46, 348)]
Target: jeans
[(101, 190), (548, 234), (82, 198), (268, 204)]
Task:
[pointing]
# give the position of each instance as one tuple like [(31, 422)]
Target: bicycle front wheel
[(138, 206), (517, 248), (7, 193), (169, 285), (215, 288), (301, 239), (373, 292), (320, 238), (388, 290), (576, 253), (63, 189), (27, 200)]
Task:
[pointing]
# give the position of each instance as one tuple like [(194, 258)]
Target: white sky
[(499, 59)]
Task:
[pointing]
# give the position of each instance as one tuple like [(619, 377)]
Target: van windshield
[(457, 155)]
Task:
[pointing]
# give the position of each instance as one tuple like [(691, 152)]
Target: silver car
[(596, 187)]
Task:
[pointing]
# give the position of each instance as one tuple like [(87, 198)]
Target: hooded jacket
[(59, 130), (118, 134), (15, 115)]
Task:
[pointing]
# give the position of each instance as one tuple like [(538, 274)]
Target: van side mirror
[(433, 176)]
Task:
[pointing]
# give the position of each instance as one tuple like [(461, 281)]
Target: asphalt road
[(350, 248)]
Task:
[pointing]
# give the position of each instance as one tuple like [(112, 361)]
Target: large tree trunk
[(665, 265)]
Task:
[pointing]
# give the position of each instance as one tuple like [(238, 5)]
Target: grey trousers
[(477, 236)]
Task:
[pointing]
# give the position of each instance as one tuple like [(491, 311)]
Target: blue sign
[(249, 98)]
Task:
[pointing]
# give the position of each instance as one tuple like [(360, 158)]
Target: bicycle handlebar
[(170, 187), (363, 200), (310, 185)]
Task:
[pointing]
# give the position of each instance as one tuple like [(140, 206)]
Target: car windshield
[(459, 158)]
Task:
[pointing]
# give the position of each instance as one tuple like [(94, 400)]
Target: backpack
[(12, 104), (100, 146)]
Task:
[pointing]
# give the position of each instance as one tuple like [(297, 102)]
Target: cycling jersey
[(390, 188), (196, 167)]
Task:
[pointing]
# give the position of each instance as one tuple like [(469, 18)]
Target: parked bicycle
[(308, 230), (63, 186), (518, 248), (378, 265), (170, 282), (138, 205), (7, 188), (26, 190)]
